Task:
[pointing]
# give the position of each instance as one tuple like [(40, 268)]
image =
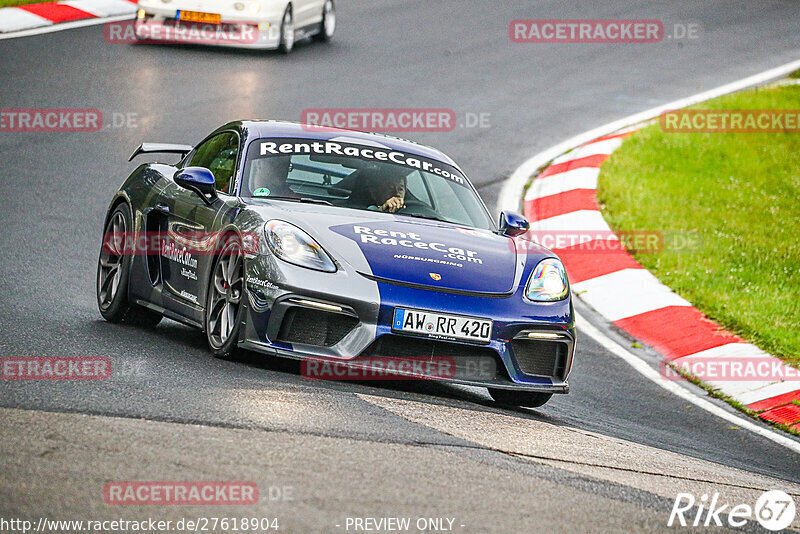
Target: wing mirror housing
[(197, 179), (513, 224)]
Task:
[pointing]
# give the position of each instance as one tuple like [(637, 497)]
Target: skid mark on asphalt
[(656, 471)]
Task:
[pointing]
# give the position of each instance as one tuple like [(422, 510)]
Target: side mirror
[(197, 179), (513, 224)]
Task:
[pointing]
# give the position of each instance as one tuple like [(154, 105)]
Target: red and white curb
[(33, 16), (562, 199)]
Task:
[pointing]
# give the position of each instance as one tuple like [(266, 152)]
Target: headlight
[(548, 282), (254, 7), (293, 245)]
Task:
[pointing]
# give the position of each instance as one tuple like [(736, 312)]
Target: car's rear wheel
[(113, 272), (328, 25), (287, 32), (224, 301), (528, 399)]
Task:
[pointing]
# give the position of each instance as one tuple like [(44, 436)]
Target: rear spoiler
[(162, 148)]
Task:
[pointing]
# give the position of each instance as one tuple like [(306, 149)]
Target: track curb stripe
[(594, 160), (57, 12), (561, 203), (13, 19), (582, 266), (562, 198), (51, 14)]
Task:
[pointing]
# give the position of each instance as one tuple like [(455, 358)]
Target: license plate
[(199, 16), (442, 326)]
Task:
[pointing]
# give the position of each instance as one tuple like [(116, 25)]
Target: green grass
[(11, 3), (736, 199), (795, 74)]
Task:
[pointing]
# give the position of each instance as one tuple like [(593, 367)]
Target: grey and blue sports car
[(338, 247)]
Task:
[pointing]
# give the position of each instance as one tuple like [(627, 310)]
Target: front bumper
[(531, 348), (233, 32)]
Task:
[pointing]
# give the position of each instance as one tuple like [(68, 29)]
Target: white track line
[(511, 194), (63, 26), (651, 374)]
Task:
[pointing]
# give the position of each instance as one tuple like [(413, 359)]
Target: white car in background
[(264, 24)]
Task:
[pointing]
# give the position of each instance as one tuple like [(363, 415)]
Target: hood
[(440, 256), (407, 250)]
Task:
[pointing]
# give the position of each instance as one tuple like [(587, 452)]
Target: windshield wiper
[(429, 217), (304, 200)]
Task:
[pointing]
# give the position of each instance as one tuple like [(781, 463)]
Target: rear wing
[(161, 148)]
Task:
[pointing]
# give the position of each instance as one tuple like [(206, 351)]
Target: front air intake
[(315, 327), (541, 358)]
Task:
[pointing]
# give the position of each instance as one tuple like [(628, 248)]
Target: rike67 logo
[(774, 510)]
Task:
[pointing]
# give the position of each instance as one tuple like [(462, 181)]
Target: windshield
[(361, 177)]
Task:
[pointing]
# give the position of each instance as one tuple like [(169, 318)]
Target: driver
[(380, 189), (268, 177)]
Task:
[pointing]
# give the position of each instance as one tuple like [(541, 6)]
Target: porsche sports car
[(265, 24), (338, 246)]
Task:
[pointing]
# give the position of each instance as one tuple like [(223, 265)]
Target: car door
[(190, 238), (305, 12)]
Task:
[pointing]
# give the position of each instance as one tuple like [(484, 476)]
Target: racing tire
[(223, 314), (328, 25), (113, 273), (287, 32), (527, 399)]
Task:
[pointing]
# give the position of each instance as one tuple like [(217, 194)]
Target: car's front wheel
[(224, 301), (528, 399), (328, 25), (287, 32), (113, 271)]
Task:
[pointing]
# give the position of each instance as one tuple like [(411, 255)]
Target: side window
[(218, 155)]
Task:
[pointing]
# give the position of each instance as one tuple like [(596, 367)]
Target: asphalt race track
[(617, 447)]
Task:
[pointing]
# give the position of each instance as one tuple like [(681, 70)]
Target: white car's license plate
[(199, 16), (442, 325)]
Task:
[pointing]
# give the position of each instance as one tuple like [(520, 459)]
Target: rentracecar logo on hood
[(412, 240), (414, 251)]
